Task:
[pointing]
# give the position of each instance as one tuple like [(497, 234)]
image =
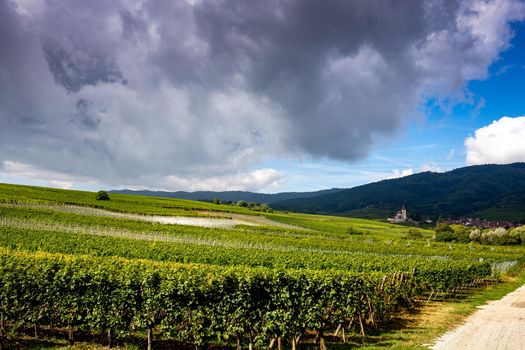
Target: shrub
[(353, 231), (444, 233), (102, 196), (462, 233), (414, 234), (216, 201), (475, 235), (498, 236), (266, 208), (519, 233), (453, 233)]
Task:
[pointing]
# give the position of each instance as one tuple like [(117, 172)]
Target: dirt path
[(498, 325)]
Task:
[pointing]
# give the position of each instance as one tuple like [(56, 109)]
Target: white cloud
[(431, 166), (10, 169), (501, 142), (396, 173), (262, 180)]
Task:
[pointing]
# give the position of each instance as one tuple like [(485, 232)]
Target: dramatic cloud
[(501, 142), (159, 93)]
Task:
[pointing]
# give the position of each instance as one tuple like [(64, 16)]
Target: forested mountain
[(233, 196), (486, 191)]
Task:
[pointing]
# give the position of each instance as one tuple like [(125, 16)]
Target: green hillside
[(204, 275), (494, 192)]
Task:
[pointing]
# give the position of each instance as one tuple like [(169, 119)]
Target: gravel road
[(498, 325)]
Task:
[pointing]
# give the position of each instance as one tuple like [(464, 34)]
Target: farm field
[(167, 273)]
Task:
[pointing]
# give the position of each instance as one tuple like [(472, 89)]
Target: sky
[(280, 95)]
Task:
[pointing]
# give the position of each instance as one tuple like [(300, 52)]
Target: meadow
[(153, 271)]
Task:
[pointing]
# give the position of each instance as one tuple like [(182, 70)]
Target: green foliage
[(498, 236), (353, 231), (216, 201), (414, 234), (102, 196), (196, 304), (453, 233), (519, 233)]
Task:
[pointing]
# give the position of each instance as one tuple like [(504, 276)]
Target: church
[(401, 216)]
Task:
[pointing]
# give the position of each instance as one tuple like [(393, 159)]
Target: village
[(401, 216)]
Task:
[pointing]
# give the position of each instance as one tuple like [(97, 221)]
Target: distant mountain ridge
[(484, 191), (232, 196)]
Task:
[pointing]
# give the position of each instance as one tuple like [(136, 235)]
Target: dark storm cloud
[(73, 74), (155, 92)]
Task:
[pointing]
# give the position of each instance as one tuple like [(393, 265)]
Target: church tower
[(404, 213)]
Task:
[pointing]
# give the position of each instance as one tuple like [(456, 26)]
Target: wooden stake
[(337, 330), (250, 345), (2, 331), (238, 342), (322, 342), (150, 338), (110, 339), (361, 326), (71, 335)]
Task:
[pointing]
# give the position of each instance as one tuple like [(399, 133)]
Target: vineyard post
[(361, 326), (238, 341), (2, 330), (71, 337), (250, 345), (337, 330), (150, 338), (322, 341)]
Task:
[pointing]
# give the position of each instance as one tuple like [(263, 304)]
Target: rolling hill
[(485, 191), (227, 196)]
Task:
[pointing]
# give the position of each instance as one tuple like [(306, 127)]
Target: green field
[(72, 264)]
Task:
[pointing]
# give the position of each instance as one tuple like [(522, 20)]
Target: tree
[(216, 201), (102, 196)]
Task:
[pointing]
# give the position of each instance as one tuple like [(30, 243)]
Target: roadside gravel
[(498, 325)]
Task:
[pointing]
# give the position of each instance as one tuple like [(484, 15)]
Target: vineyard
[(202, 274)]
